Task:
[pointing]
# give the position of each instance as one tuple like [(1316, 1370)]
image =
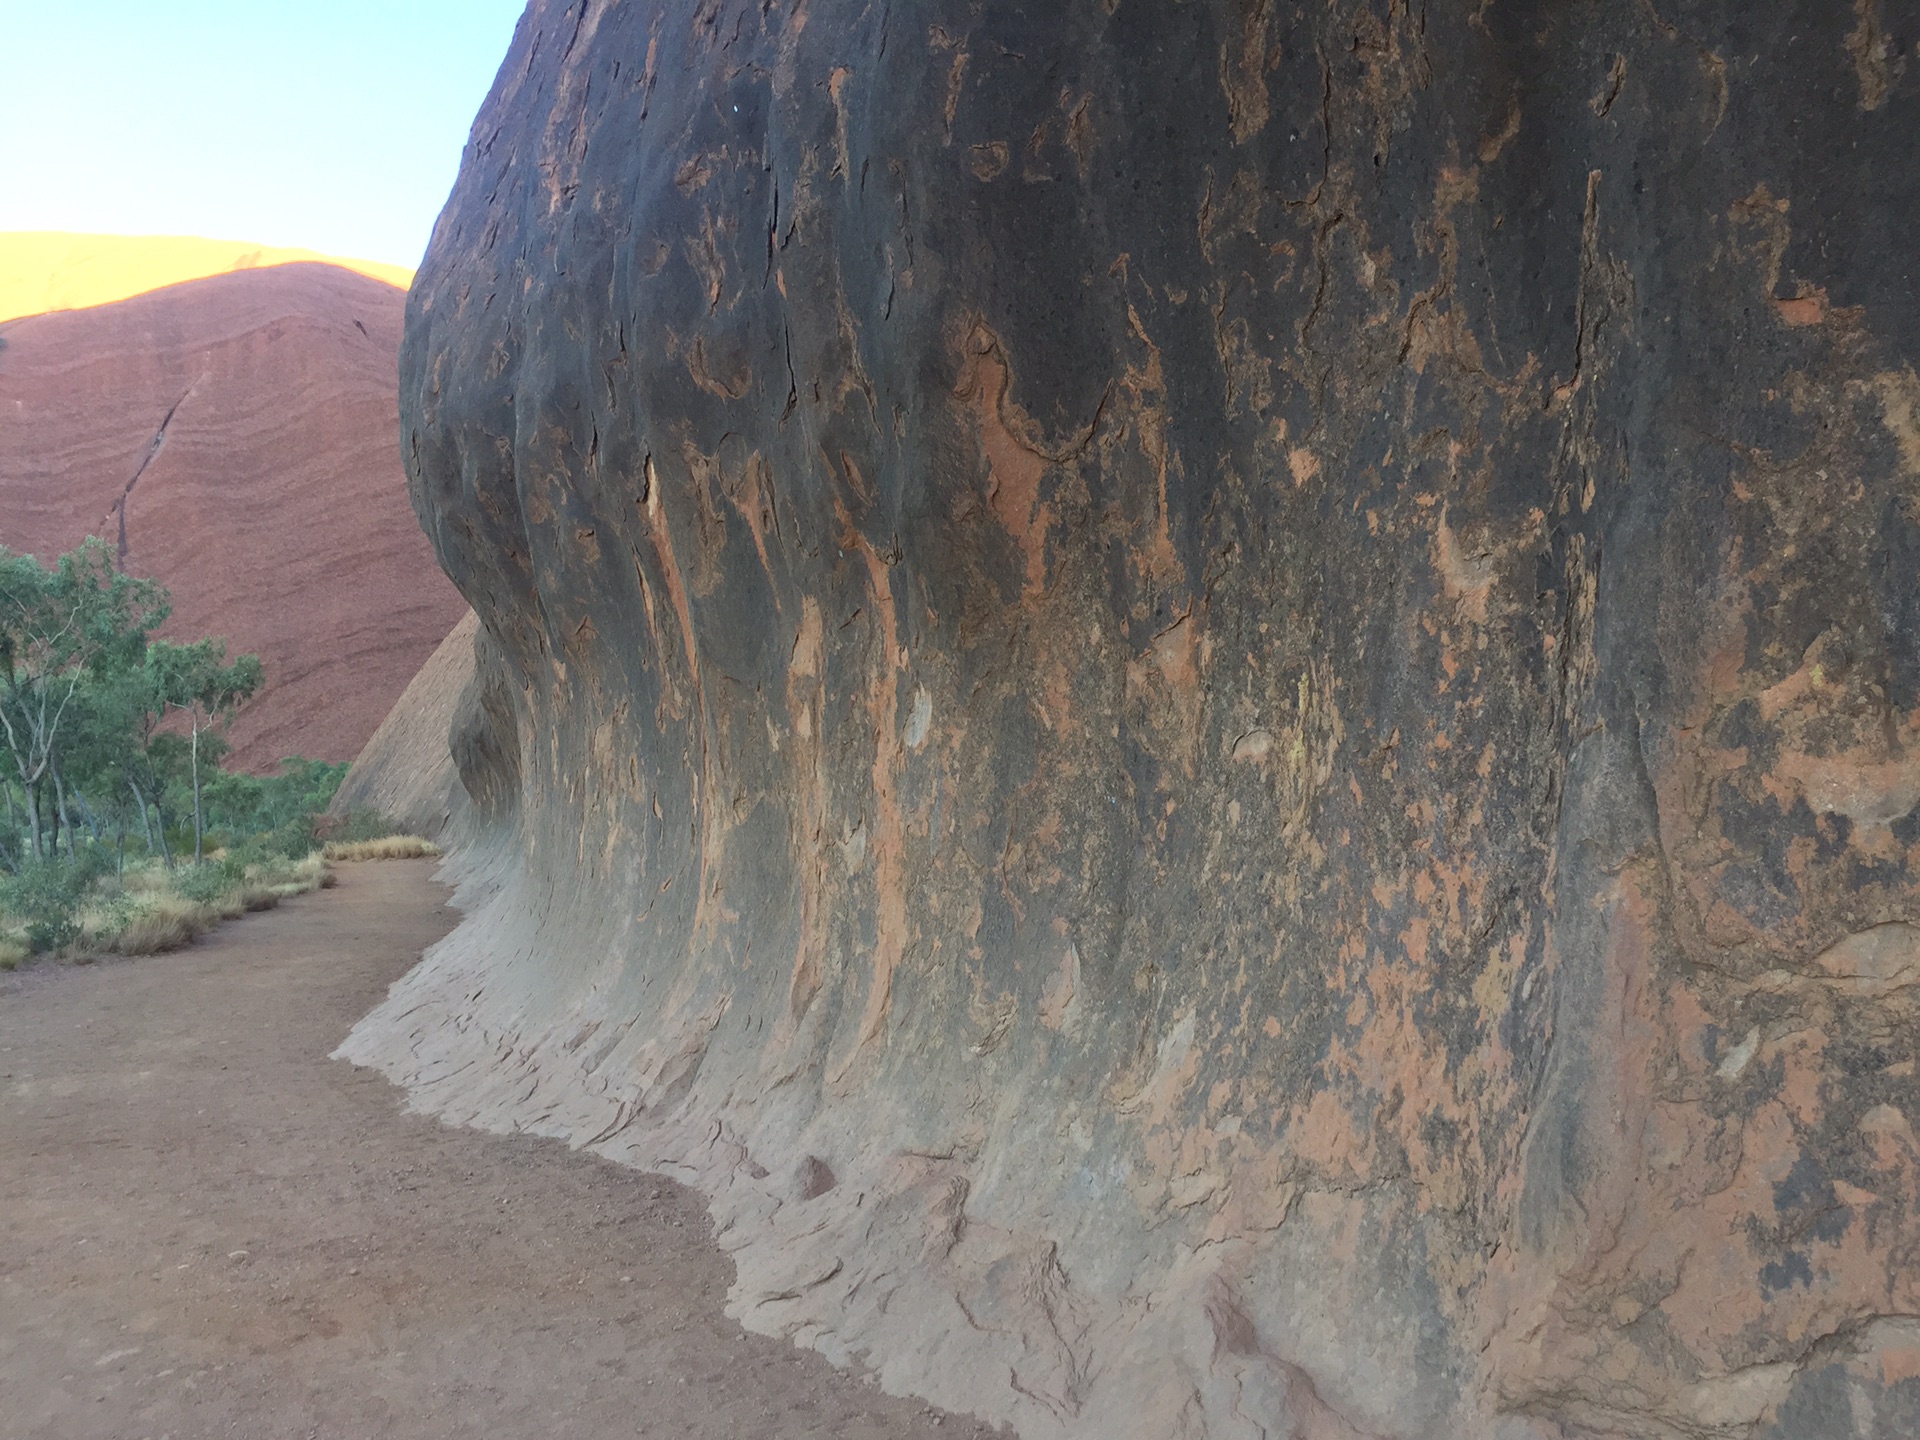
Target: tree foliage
[(66, 634), (109, 731)]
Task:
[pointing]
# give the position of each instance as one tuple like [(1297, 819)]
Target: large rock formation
[(237, 438), (1215, 706)]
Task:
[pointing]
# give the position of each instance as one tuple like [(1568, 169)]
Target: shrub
[(51, 932), (246, 805), (103, 917), (288, 841), (209, 881), (47, 898)]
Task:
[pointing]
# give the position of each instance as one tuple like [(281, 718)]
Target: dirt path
[(208, 1228)]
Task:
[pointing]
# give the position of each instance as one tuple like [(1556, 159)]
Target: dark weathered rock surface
[(1216, 707)]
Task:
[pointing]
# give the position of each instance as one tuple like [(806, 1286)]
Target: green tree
[(63, 630), (200, 681), (103, 752)]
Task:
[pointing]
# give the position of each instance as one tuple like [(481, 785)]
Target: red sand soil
[(238, 438), (210, 1228)]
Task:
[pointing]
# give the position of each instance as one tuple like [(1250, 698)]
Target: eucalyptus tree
[(199, 681), (64, 630)]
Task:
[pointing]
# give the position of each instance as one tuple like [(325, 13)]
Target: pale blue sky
[(333, 124)]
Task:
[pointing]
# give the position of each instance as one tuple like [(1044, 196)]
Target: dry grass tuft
[(167, 922), (393, 847), (256, 897), (310, 872), (13, 953), (149, 879)]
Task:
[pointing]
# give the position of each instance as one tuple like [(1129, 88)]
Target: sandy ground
[(208, 1228)]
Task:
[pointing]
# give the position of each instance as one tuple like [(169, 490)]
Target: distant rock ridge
[(235, 437), (43, 270), (1215, 707)]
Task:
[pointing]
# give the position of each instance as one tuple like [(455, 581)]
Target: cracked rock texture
[(236, 438), (1215, 706)]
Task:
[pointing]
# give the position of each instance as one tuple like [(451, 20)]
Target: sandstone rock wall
[(236, 438), (405, 771), (1213, 705)]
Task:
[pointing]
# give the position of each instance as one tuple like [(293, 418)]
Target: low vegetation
[(391, 847), (121, 833), (79, 912)]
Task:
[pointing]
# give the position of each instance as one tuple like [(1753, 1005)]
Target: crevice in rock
[(118, 514)]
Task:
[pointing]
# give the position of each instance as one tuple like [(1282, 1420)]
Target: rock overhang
[(1197, 700)]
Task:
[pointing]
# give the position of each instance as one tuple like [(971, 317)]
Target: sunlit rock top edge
[(43, 270)]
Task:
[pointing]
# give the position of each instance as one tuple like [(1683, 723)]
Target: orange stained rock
[(1803, 310), (1015, 467)]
